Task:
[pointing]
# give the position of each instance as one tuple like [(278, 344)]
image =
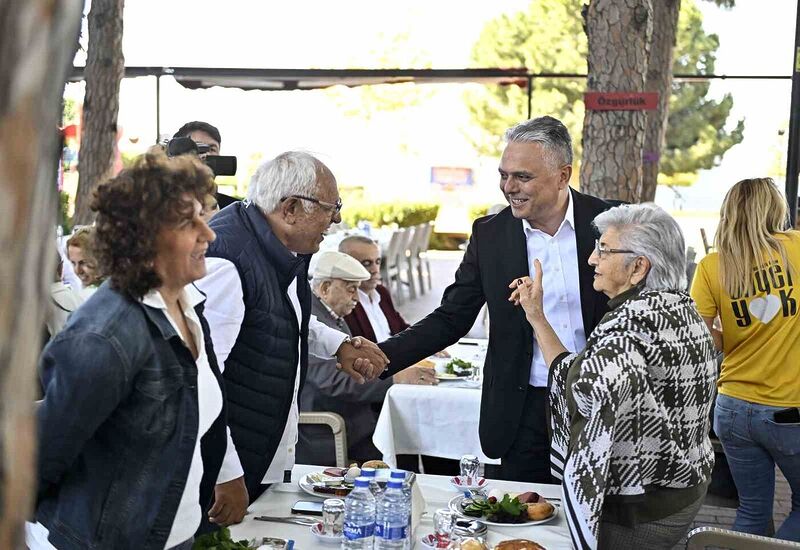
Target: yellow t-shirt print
[(777, 288), (760, 331)]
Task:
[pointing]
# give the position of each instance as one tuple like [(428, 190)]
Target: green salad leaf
[(459, 367), (220, 540)]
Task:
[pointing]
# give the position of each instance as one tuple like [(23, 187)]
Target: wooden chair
[(422, 238), (406, 259), (336, 423), (390, 270), (702, 537)]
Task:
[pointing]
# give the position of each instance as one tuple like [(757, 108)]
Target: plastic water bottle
[(403, 476), (359, 517), (391, 520), (374, 486)]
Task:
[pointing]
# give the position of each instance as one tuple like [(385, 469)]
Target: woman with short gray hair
[(630, 412)]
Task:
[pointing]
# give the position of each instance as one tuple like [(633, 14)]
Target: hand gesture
[(528, 293), (361, 359), (423, 376)]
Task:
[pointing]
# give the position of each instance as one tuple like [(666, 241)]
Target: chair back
[(336, 423), (702, 537)]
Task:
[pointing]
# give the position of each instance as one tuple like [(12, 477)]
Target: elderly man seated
[(335, 283), (374, 316)]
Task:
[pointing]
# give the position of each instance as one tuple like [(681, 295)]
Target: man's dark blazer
[(495, 256), (359, 323), (329, 389)]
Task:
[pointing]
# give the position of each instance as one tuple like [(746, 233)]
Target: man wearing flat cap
[(335, 283)]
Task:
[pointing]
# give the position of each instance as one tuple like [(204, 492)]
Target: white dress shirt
[(224, 312), (558, 255), (209, 398), (372, 307)]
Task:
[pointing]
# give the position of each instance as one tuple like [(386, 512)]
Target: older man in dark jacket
[(259, 310)]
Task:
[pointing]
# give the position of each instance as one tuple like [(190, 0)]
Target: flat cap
[(338, 265)]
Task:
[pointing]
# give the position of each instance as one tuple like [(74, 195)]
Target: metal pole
[(530, 94), (158, 107), (792, 164)]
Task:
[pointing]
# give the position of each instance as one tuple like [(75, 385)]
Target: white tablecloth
[(436, 490), (434, 420)]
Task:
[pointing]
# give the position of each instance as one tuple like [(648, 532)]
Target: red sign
[(621, 101)]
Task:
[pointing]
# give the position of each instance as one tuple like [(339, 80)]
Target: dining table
[(440, 420), (276, 503)]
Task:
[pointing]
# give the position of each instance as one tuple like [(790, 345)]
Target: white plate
[(481, 483), (308, 486), (316, 530), (455, 506), (445, 376)]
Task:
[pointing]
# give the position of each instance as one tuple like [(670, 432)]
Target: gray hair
[(344, 244), (290, 173), (650, 232), (316, 282), (549, 132)]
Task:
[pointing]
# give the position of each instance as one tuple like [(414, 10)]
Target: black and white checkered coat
[(645, 388)]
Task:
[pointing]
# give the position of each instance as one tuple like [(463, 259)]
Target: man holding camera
[(204, 134)]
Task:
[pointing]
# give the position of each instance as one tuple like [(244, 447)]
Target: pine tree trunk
[(105, 67), (618, 33), (659, 79), (38, 39)]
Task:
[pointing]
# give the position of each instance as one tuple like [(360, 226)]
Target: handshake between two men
[(362, 359)]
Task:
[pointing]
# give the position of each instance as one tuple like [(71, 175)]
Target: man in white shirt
[(259, 311), (374, 316), (545, 220)]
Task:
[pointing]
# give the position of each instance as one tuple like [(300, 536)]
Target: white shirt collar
[(189, 297), (372, 298), (569, 217)]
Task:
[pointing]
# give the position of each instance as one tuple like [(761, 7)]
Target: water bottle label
[(353, 532), (388, 532)]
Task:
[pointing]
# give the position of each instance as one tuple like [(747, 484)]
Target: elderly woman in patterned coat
[(630, 412)]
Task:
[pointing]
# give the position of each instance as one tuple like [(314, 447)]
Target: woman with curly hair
[(748, 284), (132, 426)]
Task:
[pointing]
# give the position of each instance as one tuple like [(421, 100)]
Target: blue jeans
[(754, 443)]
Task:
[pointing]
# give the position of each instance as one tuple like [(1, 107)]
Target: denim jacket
[(118, 426)]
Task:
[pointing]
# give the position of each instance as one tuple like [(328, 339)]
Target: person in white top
[(374, 316), (80, 253), (259, 310), (132, 429)]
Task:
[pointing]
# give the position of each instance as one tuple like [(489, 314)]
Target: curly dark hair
[(134, 206)]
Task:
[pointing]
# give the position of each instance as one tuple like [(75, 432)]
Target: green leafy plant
[(220, 540)]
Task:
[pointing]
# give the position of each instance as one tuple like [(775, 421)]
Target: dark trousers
[(528, 459)]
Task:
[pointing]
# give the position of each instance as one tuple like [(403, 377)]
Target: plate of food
[(338, 482), (505, 509), (455, 369)]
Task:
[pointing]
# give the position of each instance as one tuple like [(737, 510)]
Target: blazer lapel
[(584, 240), (516, 263)]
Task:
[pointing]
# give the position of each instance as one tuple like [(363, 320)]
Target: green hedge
[(404, 214)]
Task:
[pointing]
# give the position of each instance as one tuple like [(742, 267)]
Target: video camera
[(221, 165)]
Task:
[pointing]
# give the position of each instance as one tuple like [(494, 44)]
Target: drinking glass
[(332, 516), (469, 465), (443, 520)]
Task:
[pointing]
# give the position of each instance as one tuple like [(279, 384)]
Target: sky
[(391, 153)]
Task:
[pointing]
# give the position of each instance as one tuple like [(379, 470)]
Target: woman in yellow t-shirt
[(748, 285)]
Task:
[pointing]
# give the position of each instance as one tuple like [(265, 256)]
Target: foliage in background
[(64, 219), (549, 37), (403, 214)]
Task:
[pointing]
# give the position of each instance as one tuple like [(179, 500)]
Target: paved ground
[(716, 512)]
